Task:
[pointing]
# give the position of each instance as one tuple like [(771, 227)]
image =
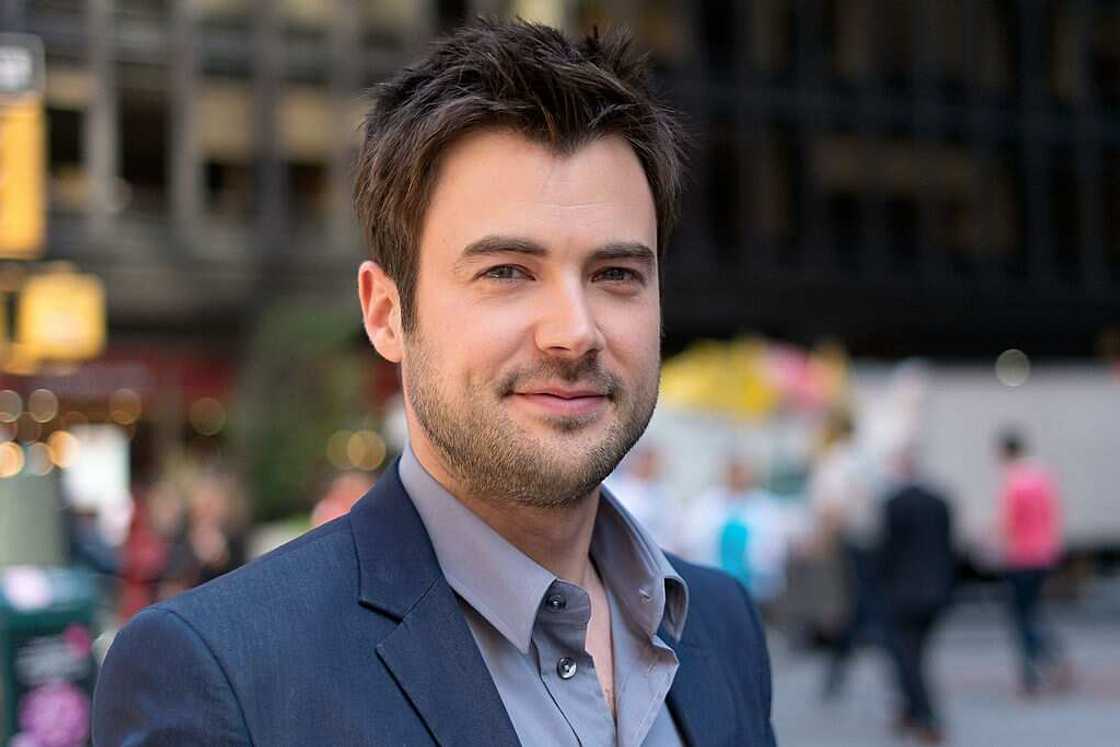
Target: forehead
[(497, 181)]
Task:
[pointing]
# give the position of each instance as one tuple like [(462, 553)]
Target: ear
[(381, 310)]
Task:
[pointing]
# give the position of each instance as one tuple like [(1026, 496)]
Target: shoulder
[(318, 563), (196, 666), (264, 605)]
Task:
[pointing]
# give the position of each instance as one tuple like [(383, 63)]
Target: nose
[(567, 325)]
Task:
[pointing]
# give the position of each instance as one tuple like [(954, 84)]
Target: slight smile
[(564, 402)]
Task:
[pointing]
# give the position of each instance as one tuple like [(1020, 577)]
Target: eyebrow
[(494, 244)]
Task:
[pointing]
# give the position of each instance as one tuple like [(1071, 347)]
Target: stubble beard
[(492, 458)]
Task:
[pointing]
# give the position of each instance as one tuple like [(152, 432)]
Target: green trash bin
[(47, 667)]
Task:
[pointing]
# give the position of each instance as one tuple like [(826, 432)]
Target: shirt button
[(556, 602), (566, 668)]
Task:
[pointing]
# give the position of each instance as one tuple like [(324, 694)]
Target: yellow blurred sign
[(61, 317), (22, 147), (22, 167)]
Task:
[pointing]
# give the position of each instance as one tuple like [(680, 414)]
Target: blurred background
[(899, 243)]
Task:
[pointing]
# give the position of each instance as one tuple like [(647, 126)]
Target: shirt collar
[(506, 586)]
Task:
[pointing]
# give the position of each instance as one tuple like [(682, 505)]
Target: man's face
[(533, 364)]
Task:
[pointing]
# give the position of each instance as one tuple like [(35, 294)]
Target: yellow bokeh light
[(125, 406), (11, 406), (337, 449), (11, 459), (63, 447), (42, 405), (365, 450)]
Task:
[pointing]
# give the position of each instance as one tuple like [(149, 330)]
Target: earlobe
[(381, 315)]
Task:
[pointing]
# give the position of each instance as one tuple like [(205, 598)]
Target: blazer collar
[(700, 699), (396, 563), (431, 653)]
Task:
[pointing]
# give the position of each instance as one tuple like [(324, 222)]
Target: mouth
[(563, 402)]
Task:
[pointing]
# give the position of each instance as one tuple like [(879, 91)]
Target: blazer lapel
[(431, 653), (436, 662), (700, 698)]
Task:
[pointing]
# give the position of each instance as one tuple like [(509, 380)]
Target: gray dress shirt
[(531, 626)]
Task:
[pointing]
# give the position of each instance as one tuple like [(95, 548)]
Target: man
[(517, 191), (917, 573), (739, 526), (1030, 524), (842, 494)]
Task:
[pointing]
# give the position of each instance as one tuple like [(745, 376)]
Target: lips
[(560, 401), (563, 393)]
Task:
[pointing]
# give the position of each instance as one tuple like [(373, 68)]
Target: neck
[(558, 538)]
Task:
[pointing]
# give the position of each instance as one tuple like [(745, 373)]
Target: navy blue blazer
[(350, 635)]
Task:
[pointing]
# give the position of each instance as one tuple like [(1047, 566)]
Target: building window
[(143, 151), (64, 151)]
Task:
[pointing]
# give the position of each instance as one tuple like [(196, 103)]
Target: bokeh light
[(42, 405), (39, 460), (11, 459), (11, 406), (63, 447), (365, 450), (337, 449), (1013, 368), (125, 406), (207, 416)]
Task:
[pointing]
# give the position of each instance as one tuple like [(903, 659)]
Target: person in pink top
[(1030, 522)]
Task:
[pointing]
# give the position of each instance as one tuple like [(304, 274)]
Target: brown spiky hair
[(511, 74)]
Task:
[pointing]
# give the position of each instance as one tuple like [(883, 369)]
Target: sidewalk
[(974, 670)]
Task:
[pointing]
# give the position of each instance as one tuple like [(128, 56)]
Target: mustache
[(586, 372)]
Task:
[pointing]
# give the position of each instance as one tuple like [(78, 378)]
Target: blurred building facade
[(936, 177)]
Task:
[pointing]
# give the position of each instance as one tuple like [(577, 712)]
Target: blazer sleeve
[(161, 685), (764, 681)]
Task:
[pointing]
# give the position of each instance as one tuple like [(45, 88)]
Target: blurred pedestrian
[(1031, 530), (88, 546), (343, 492), (742, 528), (843, 495), (700, 536), (145, 553), (916, 576), (209, 541), (637, 485)]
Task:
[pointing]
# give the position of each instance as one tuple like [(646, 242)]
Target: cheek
[(634, 337), (474, 345)]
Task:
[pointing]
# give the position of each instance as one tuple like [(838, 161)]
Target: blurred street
[(974, 669)]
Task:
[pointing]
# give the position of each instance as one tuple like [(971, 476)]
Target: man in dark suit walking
[(916, 572), (517, 191)]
